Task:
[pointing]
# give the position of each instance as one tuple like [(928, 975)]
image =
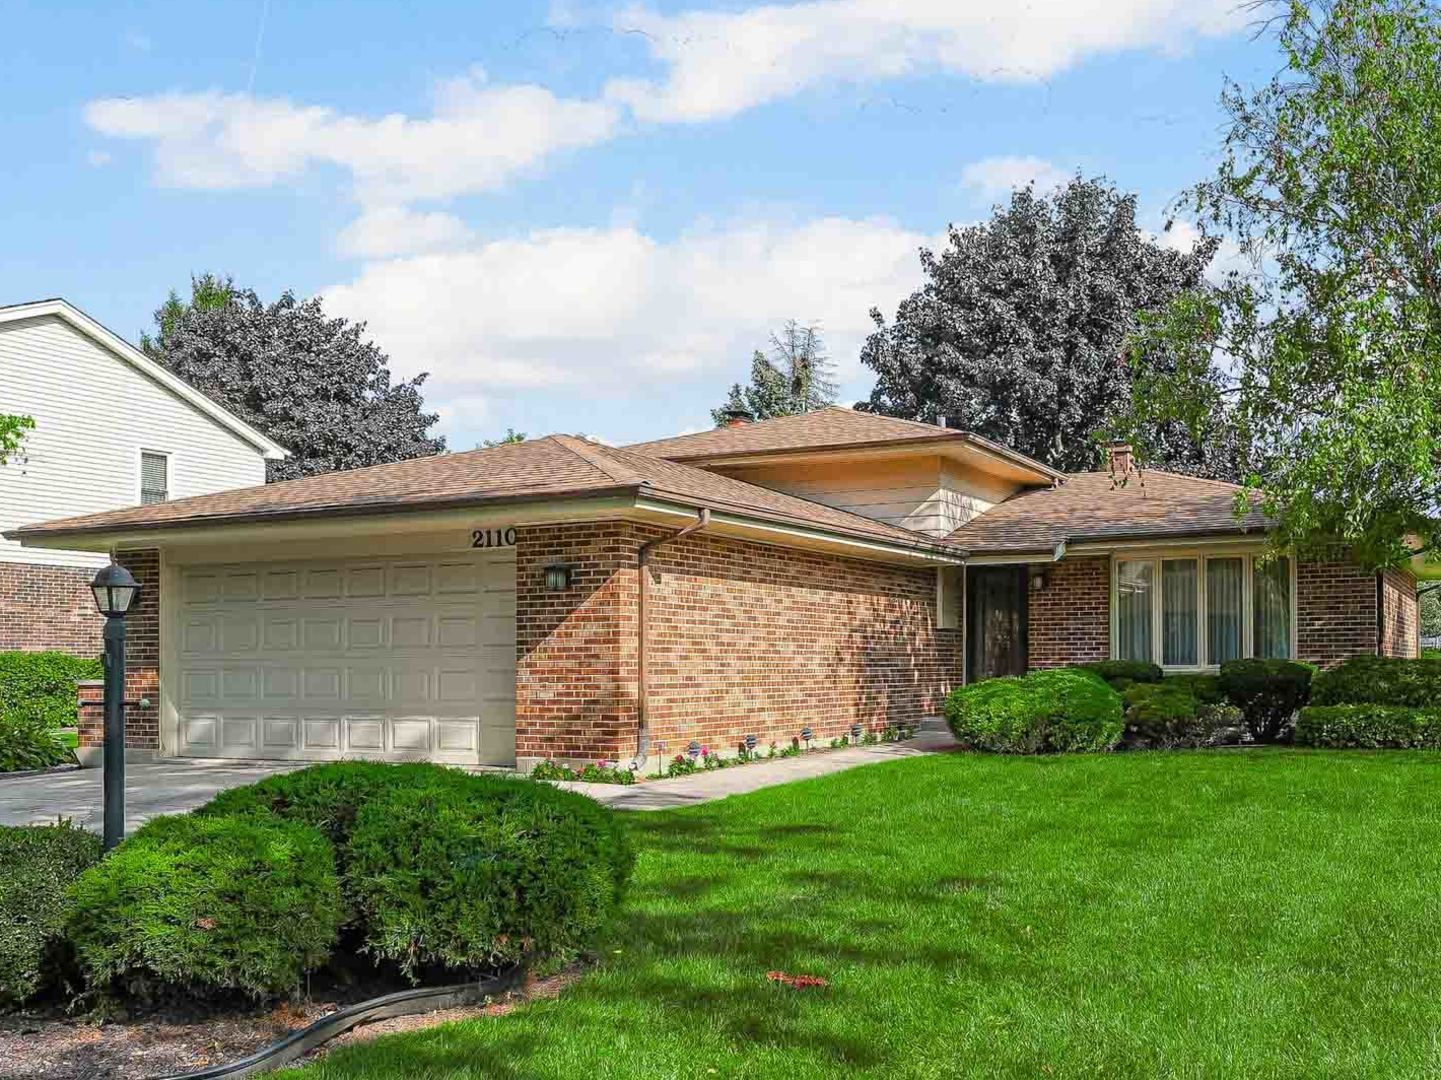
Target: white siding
[(924, 493), (94, 413)]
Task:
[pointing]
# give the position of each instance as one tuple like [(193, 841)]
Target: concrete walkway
[(174, 786), (151, 788), (703, 787)]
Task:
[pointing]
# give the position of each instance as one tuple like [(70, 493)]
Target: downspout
[(642, 695)]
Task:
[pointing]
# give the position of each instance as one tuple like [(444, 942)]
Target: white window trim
[(1202, 555), (169, 457)]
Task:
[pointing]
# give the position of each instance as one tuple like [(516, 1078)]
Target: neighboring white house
[(112, 429)]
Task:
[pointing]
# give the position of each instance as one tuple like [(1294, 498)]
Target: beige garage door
[(396, 659)]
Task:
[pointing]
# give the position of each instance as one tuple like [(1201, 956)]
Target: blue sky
[(579, 216)]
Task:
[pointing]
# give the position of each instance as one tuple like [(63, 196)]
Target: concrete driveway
[(153, 788)]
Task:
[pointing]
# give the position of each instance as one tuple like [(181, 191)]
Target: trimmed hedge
[(43, 684), (1380, 680), (38, 863), (1062, 709), (1181, 711), (484, 875), (1369, 727), (1268, 693), (1125, 671), (207, 904)]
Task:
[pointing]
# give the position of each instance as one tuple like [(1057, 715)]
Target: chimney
[(736, 417), (1120, 458)]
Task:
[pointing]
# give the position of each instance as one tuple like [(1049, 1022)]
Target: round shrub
[(484, 874), (1128, 671), (1268, 693), (327, 797), (1064, 709), (204, 904), (38, 863), (1181, 711), (1380, 680)]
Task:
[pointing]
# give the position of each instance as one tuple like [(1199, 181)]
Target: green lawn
[(1252, 914)]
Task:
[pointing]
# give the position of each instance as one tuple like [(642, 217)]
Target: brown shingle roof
[(1092, 506), (824, 429), (552, 467)]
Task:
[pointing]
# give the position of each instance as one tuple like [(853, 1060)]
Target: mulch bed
[(47, 1045)]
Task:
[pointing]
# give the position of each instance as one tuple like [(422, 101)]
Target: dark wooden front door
[(995, 621)]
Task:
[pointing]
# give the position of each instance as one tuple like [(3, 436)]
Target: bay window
[(1200, 610)]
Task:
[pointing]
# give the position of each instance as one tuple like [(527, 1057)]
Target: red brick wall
[(48, 607), (1070, 619), (1335, 611), (744, 639), (753, 639), (576, 673), (142, 663), (1400, 615)]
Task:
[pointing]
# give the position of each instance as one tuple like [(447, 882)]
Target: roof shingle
[(553, 467), (823, 429), (1092, 506)]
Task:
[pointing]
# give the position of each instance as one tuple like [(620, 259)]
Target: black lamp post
[(115, 593)]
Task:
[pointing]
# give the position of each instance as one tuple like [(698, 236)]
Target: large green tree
[(1019, 331), (1323, 355), (313, 384), (796, 377)]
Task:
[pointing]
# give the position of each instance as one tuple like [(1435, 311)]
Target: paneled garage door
[(400, 659)]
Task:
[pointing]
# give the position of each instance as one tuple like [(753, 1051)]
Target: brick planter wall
[(1070, 619), (48, 607), (744, 639)]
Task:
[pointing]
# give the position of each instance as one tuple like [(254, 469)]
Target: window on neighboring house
[(154, 477), (1202, 610)]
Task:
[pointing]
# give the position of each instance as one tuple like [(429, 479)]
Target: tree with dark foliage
[(1019, 333), (312, 383)]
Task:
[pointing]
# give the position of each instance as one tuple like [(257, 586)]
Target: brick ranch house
[(561, 598)]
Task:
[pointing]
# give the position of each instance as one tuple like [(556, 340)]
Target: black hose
[(402, 1003)]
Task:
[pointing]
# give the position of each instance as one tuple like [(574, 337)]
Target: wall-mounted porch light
[(557, 577), (1038, 580)]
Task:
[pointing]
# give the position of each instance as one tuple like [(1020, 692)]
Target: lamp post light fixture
[(807, 734), (856, 733), (115, 594)]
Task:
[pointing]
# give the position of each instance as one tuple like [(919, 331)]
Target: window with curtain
[(1180, 612), (1201, 611), (1225, 579), (1271, 609), (1135, 580)]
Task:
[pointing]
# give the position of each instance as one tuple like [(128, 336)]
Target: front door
[(995, 621)]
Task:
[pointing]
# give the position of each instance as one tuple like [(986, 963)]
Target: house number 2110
[(492, 538)]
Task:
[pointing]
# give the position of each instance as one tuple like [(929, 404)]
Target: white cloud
[(384, 231), (97, 158), (477, 138), (615, 309), (721, 63), (1182, 236), (994, 178)]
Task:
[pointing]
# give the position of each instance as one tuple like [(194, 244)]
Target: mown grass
[(1242, 914)]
